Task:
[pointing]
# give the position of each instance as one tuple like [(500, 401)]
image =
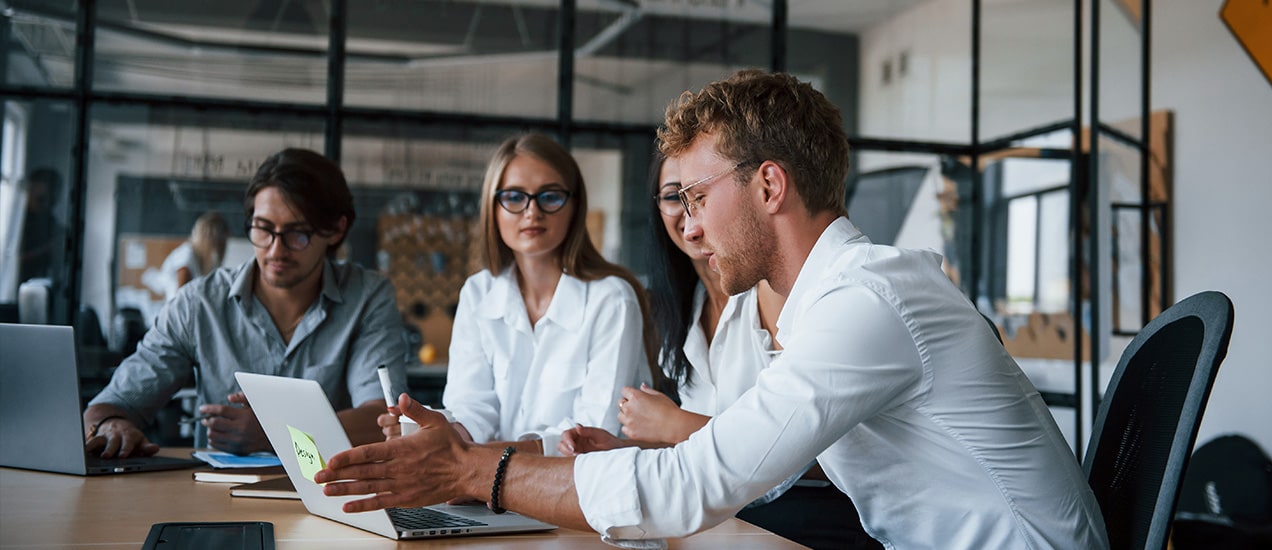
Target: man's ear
[(775, 186)]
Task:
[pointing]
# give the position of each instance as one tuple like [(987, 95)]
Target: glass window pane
[(905, 200), (1022, 232), (1120, 65), (632, 60), (491, 58), (417, 188), (35, 188), (1026, 65), (1053, 252), (152, 172), (915, 58), (37, 39), (274, 51)]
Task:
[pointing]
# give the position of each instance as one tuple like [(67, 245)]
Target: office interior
[(962, 114)]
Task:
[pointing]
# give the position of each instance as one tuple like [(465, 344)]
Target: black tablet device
[(218, 535)]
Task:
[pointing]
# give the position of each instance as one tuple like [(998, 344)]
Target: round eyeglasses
[(516, 201), (294, 239)]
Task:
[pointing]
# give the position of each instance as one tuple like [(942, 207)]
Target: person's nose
[(692, 229), (277, 249), (532, 209)]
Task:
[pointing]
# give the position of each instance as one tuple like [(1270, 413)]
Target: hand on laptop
[(235, 429), (114, 435)]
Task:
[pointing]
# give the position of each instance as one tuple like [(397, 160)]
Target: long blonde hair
[(579, 258), (207, 238)]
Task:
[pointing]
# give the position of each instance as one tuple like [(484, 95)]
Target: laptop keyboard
[(427, 518)]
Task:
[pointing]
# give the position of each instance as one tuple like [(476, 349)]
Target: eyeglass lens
[(294, 239), (516, 201)]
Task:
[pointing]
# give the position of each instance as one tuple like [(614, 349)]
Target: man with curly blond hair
[(889, 378)]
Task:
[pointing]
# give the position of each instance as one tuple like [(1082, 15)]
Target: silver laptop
[(41, 424), (286, 406)]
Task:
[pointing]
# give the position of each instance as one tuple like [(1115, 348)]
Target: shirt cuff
[(608, 496)]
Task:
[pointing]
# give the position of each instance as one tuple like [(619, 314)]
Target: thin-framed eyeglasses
[(295, 240), (692, 206), (668, 202), (517, 201)]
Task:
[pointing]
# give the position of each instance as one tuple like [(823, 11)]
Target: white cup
[(408, 426)]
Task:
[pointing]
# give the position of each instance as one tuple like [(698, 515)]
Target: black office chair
[(1148, 419)]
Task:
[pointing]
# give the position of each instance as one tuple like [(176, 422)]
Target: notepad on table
[(239, 475), (218, 459), (279, 487)]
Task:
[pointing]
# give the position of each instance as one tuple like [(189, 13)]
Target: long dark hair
[(672, 281)]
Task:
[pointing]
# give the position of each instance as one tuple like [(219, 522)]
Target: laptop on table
[(41, 424), (299, 420)]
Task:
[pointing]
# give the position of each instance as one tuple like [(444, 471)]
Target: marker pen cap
[(386, 385)]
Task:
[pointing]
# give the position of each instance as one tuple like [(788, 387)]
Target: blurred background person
[(42, 233), (196, 257)]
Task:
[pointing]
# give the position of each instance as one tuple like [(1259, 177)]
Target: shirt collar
[(504, 301), (839, 233)]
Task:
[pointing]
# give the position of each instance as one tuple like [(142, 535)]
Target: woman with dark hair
[(549, 332), (714, 346)]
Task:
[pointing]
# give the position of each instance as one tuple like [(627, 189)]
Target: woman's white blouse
[(507, 380), (726, 369)]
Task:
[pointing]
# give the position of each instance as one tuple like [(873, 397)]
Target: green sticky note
[(306, 453)]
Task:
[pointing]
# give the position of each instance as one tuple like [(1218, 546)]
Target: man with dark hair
[(289, 311), (889, 377)]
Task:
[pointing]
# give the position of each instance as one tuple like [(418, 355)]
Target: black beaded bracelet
[(499, 475)]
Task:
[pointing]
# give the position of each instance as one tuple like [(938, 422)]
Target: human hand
[(648, 415), (390, 471), (234, 429), (119, 438), (389, 424), (586, 439)]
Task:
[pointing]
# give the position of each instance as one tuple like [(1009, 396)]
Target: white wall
[(1223, 190), (1222, 146)]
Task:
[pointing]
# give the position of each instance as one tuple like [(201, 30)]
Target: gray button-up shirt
[(216, 327)]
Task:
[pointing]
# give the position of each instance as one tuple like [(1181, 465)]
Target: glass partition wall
[(1008, 136)]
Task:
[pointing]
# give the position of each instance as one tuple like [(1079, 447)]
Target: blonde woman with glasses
[(549, 332)]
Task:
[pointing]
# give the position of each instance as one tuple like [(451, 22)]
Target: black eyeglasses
[(516, 200), (295, 240)]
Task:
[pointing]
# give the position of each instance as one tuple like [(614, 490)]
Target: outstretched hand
[(391, 472)]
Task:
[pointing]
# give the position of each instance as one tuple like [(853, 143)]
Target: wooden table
[(42, 510)]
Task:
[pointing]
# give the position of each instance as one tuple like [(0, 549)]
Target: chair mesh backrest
[(1148, 419)]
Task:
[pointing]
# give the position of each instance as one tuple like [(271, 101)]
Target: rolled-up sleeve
[(829, 379), (164, 362)]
